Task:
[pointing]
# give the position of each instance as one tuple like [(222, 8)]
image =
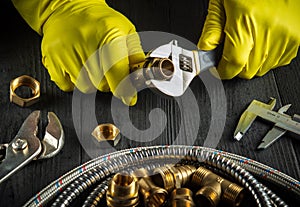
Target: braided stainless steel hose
[(126, 159), (97, 194)]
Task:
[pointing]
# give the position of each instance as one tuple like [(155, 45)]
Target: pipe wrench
[(170, 68), (26, 146), (282, 122)]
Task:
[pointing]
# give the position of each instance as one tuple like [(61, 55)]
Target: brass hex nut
[(107, 132), (27, 81)]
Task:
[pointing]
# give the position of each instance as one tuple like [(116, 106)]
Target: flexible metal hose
[(100, 168), (97, 194)]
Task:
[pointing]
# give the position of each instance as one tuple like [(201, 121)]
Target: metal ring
[(27, 81)]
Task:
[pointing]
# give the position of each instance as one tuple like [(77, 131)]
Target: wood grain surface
[(20, 54)]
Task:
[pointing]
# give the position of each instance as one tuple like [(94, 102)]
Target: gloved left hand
[(85, 43)]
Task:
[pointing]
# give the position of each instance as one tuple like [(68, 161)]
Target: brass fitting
[(122, 191), (153, 195), (185, 173), (182, 197), (107, 132), (152, 68), (215, 188), (27, 81), (173, 177)]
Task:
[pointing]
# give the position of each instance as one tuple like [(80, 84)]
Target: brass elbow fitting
[(122, 191), (182, 197), (215, 188), (153, 195), (173, 177)]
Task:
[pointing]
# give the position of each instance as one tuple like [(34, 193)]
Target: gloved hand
[(87, 35), (259, 35)]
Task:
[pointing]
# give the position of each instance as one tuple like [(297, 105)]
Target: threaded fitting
[(122, 191), (208, 196), (182, 197), (153, 195), (199, 176), (164, 176), (186, 172), (233, 195), (211, 184)]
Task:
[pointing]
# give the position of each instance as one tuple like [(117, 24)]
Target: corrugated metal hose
[(98, 172)]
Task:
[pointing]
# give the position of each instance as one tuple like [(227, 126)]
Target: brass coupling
[(27, 81), (182, 197), (152, 68), (215, 188), (153, 195), (171, 177), (122, 191)]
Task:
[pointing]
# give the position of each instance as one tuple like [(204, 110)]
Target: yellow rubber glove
[(85, 43), (259, 35)]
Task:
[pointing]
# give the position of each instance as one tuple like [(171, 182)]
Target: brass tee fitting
[(153, 195), (182, 197), (171, 177), (122, 191), (215, 188)]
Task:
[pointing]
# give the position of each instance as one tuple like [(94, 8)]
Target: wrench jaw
[(186, 64), (54, 138), (186, 67), (26, 146)]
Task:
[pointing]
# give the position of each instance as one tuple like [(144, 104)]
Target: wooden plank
[(20, 54), (287, 79)]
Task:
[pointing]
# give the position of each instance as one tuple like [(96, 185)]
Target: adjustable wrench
[(170, 68), (26, 146)]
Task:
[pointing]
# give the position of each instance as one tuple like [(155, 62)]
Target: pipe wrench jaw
[(26, 146)]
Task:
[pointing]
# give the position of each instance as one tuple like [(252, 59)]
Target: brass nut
[(107, 132), (122, 191), (27, 81)]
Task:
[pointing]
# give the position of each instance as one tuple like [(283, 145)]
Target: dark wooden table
[(20, 54)]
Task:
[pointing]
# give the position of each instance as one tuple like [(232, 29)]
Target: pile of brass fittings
[(176, 186)]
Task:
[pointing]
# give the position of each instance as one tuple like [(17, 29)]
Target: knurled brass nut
[(27, 81)]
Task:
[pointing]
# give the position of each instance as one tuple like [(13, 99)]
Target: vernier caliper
[(283, 122), (170, 68)]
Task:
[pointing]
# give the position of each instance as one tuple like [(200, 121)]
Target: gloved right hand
[(259, 35), (85, 43)]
